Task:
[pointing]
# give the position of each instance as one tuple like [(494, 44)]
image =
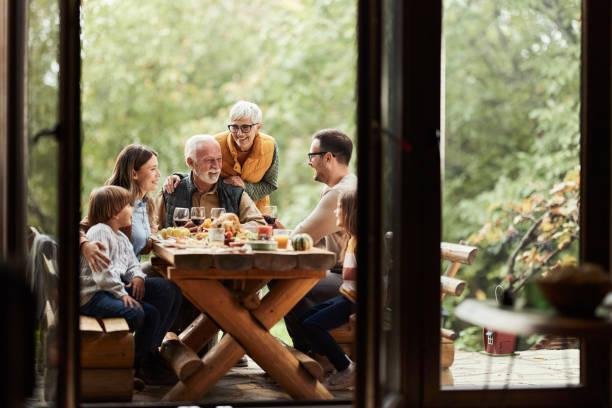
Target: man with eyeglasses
[(250, 157), (200, 188), (329, 157)]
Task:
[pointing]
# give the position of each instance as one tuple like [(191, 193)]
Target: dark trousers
[(324, 317), (160, 305), (324, 290)]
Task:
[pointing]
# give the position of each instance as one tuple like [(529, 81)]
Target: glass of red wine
[(180, 216), (198, 215), (269, 214)]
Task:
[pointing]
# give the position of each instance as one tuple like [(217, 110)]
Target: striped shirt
[(267, 184)]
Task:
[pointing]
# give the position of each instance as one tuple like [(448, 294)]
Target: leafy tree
[(158, 72), (176, 69), (512, 128)]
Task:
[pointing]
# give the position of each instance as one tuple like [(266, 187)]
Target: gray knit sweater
[(122, 269)]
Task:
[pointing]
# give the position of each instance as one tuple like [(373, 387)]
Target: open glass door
[(511, 181)]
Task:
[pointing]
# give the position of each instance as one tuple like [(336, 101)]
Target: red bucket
[(498, 343)]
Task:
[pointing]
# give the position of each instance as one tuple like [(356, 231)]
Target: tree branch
[(524, 241)]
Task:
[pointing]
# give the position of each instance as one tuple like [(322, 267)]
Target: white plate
[(262, 245)]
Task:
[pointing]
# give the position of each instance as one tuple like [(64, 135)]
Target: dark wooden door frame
[(69, 140), (421, 218), (596, 108), (369, 43), (13, 206)]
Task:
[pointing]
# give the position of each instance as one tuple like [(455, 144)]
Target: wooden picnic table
[(225, 287)]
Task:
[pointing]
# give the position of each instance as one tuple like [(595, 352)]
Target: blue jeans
[(160, 306), (324, 317)]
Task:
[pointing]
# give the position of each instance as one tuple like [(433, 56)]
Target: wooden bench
[(107, 359), (456, 255), (107, 345)]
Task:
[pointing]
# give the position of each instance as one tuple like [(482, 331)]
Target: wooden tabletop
[(209, 263), (488, 314)]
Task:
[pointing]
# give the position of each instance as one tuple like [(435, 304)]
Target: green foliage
[(511, 182), (158, 72), (42, 94)]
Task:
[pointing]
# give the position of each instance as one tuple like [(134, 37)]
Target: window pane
[(160, 72), (511, 177), (42, 208)]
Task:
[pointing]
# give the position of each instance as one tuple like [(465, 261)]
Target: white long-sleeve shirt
[(122, 269)]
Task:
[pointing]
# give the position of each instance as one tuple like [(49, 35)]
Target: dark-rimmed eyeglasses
[(311, 155), (243, 128)]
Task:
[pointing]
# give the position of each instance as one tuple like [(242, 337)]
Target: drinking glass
[(281, 236), (269, 214), (198, 215), (216, 236), (215, 213), (180, 216)]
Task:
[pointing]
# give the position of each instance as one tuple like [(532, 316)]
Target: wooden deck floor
[(471, 370), (534, 368)]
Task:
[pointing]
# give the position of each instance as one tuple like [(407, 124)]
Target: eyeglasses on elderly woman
[(242, 128)]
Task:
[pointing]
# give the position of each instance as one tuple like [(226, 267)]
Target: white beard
[(208, 177)]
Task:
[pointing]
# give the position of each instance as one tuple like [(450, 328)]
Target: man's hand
[(191, 226), (129, 301), (94, 255), (234, 181), (171, 183), (138, 288)]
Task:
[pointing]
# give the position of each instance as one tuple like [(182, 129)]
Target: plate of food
[(262, 245)]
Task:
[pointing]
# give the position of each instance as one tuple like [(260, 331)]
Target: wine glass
[(198, 215), (269, 214), (215, 213), (180, 216)]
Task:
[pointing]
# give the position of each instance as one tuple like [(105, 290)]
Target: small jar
[(264, 232)]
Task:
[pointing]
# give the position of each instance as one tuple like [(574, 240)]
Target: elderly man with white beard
[(201, 189)]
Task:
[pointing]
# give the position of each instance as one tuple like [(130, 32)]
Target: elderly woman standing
[(250, 158)]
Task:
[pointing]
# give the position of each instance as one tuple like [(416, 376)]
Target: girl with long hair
[(335, 312)]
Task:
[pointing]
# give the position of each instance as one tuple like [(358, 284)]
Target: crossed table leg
[(247, 331)]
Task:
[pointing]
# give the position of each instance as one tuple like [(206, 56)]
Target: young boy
[(122, 290)]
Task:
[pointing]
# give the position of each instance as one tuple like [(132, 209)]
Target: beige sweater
[(321, 222)]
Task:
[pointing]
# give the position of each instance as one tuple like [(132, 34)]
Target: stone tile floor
[(524, 369)]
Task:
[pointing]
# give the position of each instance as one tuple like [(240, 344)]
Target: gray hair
[(192, 144), (244, 109)]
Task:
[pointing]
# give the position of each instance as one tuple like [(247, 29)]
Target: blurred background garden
[(157, 72)]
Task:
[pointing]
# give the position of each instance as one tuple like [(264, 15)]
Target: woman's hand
[(93, 252), (171, 183), (234, 181), (129, 301), (138, 288)]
